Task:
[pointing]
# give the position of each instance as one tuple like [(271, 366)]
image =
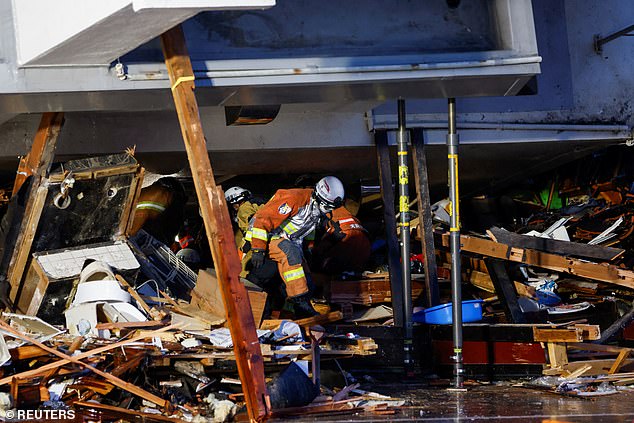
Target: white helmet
[(236, 194), (329, 193)]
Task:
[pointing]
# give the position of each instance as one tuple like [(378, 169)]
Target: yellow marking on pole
[(404, 204), (457, 196), (402, 153), (403, 175)]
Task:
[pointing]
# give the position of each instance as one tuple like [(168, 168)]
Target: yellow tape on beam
[(182, 79)]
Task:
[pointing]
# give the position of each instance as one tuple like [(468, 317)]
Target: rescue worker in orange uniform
[(345, 246), (160, 210), (279, 227)]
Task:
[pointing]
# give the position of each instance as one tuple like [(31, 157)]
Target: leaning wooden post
[(393, 251), (218, 227), (39, 159), (432, 297)]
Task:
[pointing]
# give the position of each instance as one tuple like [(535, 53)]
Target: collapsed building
[(284, 94)]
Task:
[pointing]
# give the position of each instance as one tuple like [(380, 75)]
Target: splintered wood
[(561, 341)]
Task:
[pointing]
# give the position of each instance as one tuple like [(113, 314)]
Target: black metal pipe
[(403, 201), (600, 41), (453, 141)]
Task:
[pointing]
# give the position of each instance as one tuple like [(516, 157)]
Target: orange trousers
[(290, 264)]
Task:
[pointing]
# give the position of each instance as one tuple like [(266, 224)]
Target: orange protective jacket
[(348, 223), (290, 214)]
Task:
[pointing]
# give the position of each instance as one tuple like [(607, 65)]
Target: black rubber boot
[(302, 307)]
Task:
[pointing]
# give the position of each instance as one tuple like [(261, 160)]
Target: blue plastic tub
[(441, 314)]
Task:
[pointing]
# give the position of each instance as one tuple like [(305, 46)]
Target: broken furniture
[(81, 211)]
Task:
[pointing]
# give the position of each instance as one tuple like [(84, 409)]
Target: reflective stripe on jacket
[(346, 220), (290, 214)]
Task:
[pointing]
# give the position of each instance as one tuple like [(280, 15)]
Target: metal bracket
[(62, 199), (600, 41)]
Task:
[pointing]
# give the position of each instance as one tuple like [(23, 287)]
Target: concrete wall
[(576, 85)]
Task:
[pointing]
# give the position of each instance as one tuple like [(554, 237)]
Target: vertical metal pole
[(403, 201), (453, 141)]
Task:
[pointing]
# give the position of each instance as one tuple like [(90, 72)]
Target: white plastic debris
[(223, 410), (191, 343), (286, 329), (222, 337)]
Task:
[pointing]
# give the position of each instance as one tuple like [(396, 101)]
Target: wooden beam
[(554, 245), (86, 354), (39, 159), (596, 271), (505, 289), (321, 319), (618, 363), (218, 227), (425, 227), (112, 379), (557, 335), (557, 355), (22, 249), (389, 217), (116, 413)]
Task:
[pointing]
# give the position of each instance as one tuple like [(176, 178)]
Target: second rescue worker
[(282, 224)]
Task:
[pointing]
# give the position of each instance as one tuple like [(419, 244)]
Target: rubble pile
[(111, 323), (107, 315)]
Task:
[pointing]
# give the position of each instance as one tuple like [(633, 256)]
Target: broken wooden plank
[(321, 319), (597, 271), (557, 355), (113, 379), (620, 360), (129, 325), (22, 249), (126, 286), (557, 335), (483, 281), (218, 227), (133, 199), (27, 351), (578, 372), (86, 354), (555, 246), (39, 159), (589, 332), (598, 367), (117, 412)]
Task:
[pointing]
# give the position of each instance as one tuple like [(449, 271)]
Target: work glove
[(257, 258), (337, 233)]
